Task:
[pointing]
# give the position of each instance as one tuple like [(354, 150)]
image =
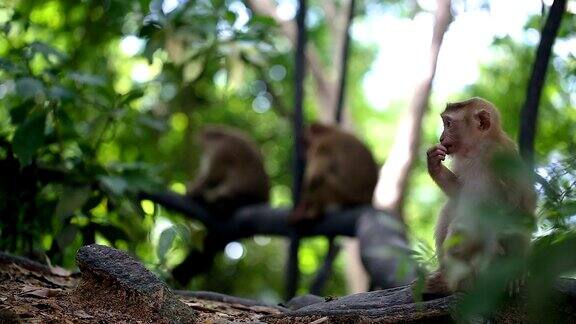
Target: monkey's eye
[(447, 123)]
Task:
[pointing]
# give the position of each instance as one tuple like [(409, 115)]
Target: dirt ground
[(32, 293)]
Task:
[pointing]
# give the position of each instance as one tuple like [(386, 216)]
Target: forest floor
[(113, 287), (31, 292)]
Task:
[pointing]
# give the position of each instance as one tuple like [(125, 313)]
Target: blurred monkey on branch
[(340, 172), (231, 174)]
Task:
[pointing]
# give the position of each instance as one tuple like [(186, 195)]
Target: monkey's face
[(451, 137), (464, 130)]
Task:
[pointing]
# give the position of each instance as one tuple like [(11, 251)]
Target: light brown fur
[(232, 173), (340, 172), (490, 209)]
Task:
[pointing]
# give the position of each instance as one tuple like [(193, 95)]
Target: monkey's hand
[(446, 179), (305, 214), (436, 155), (298, 214), (434, 286)]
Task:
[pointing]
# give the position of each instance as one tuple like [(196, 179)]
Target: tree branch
[(331, 11), (397, 305), (210, 295), (342, 61), (260, 219), (394, 175), (325, 271)]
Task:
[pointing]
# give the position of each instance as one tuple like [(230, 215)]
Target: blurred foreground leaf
[(29, 137)]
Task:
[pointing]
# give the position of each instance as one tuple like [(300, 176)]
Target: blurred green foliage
[(101, 99)]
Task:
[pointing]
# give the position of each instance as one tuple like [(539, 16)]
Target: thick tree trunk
[(529, 112), (395, 173)]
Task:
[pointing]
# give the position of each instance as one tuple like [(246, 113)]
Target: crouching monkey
[(340, 172), (231, 172), (491, 200)]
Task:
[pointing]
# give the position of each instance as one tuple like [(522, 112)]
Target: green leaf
[(568, 209), (135, 176), (263, 20), (149, 29), (72, 199), (165, 243), (192, 70), (61, 93), (94, 200), (9, 66), (18, 114), (87, 79), (153, 123), (47, 50), (29, 137), (131, 96), (184, 232), (110, 232), (7, 27), (117, 185), (230, 17), (29, 87)]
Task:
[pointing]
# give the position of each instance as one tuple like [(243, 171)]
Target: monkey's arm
[(211, 177), (444, 178), (447, 181)]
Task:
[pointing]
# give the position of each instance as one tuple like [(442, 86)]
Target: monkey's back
[(355, 165), (245, 161)]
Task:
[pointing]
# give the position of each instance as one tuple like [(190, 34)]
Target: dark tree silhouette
[(529, 113), (299, 162), (333, 248), (344, 63)]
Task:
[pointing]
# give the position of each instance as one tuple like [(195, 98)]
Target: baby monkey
[(231, 174), (340, 172), (491, 200)]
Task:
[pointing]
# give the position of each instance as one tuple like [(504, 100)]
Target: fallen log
[(112, 281), (397, 305)]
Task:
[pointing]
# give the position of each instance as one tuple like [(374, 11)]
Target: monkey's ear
[(483, 118), (313, 131)]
